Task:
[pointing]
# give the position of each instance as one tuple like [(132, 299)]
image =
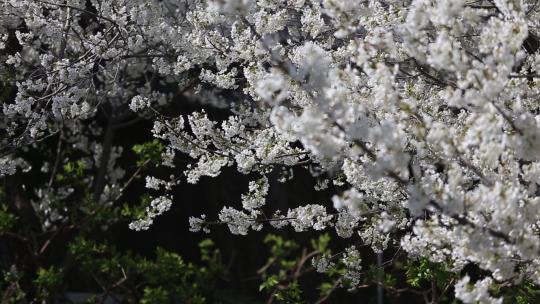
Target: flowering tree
[(422, 115)]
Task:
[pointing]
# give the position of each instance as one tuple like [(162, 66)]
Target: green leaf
[(149, 152), (270, 282)]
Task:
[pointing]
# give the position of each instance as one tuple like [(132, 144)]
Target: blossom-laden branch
[(423, 113)]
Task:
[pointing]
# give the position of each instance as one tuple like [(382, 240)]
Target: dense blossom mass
[(425, 113)]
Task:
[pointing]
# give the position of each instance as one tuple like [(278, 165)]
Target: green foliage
[(280, 247), (132, 211), (281, 252), (424, 271), (290, 295), (279, 285), (149, 152), (72, 172), (524, 293), (47, 281), (326, 288), (212, 256), (7, 219), (166, 279), (389, 280), (321, 243), (75, 168), (45, 261), (155, 295), (13, 293), (528, 293), (286, 265), (269, 283)]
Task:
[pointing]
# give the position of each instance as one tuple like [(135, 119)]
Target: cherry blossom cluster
[(425, 113)]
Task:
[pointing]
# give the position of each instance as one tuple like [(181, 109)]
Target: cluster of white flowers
[(477, 292), (239, 222), (322, 263), (198, 224), (256, 196), (155, 183), (8, 165), (309, 216), (424, 112), (353, 263), (138, 103), (157, 207)]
